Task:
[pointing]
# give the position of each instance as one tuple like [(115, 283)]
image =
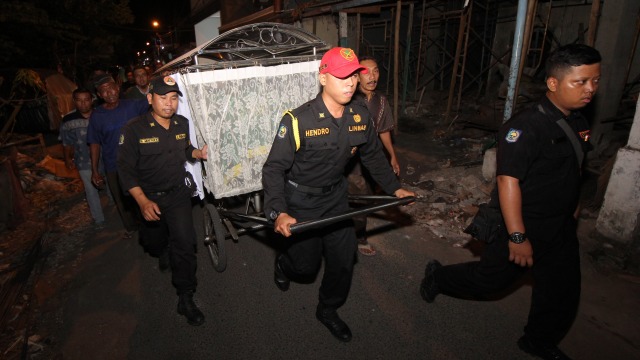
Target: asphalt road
[(117, 305)]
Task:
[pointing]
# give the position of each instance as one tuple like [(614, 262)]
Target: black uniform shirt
[(326, 145), (535, 150), (153, 157)]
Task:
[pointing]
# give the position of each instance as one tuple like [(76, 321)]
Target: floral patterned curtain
[(237, 113)]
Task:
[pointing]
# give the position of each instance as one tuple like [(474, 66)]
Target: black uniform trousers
[(175, 230), (336, 242), (556, 276)]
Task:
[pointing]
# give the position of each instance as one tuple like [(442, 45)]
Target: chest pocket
[(558, 154), (318, 150), (357, 138), (152, 148)]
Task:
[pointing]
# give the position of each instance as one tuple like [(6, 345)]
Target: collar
[(151, 121)]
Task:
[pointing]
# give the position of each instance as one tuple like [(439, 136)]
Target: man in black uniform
[(152, 152), (538, 183), (303, 179)]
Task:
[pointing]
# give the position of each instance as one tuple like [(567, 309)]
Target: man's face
[(339, 90), (109, 92), (369, 81), (164, 105), (575, 89), (130, 77), (82, 102), (141, 77)]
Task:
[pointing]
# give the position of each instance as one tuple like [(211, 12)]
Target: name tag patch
[(357, 127), (181, 136), (316, 132), (149, 140)]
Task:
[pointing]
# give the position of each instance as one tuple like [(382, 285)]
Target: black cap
[(162, 85), (102, 79)]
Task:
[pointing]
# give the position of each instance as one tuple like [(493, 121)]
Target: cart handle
[(390, 201)]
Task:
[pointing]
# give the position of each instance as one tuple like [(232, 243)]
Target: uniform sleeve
[(128, 154), (517, 148), (278, 162), (385, 120), (375, 161)]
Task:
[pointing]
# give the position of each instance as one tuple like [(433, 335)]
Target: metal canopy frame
[(251, 45)]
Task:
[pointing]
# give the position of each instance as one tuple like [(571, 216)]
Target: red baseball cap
[(340, 62)]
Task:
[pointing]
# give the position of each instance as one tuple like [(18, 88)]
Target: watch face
[(517, 238), (273, 215)]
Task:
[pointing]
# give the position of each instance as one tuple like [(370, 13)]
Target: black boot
[(281, 280), (544, 351), (329, 318), (428, 287), (189, 309)]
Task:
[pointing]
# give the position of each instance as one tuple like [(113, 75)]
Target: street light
[(155, 24)]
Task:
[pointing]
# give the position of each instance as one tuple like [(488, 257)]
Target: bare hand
[(395, 166), (150, 211), (97, 180), (283, 224), (521, 254), (203, 152)]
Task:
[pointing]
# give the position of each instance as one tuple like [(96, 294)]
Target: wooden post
[(396, 64), (593, 22)]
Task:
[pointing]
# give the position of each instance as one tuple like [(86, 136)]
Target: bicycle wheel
[(214, 236)]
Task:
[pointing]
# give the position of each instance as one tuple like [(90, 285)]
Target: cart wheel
[(214, 236)]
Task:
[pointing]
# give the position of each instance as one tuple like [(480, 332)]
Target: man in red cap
[(303, 179)]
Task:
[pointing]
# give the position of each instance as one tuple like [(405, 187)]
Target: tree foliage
[(70, 33)]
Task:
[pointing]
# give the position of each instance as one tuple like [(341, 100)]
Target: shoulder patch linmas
[(513, 135), (282, 131)]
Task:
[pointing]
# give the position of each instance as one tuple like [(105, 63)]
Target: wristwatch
[(273, 215), (517, 237)]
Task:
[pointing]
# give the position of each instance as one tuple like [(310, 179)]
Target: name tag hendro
[(149, 140), (316, 132)]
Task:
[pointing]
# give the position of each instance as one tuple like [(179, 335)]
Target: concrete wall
[(620, 213), (614, 41), (326, 28), (207, 29)]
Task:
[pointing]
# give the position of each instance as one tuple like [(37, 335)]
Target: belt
[(313, 189), (163, 192)]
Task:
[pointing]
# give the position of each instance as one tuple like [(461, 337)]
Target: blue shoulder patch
[(513, 135)]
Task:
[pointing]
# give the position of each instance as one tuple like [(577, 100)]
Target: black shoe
[(281, 280), (548, 352), (428, 287), (164, 261), (188, 308), (329, 318)]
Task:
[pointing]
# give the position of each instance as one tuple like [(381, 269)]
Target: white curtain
[(237, 112), (183, 109)]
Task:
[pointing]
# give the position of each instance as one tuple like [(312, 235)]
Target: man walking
[(539, 158), (303, 179)]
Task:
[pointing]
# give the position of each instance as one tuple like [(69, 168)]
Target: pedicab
[(237, 87)]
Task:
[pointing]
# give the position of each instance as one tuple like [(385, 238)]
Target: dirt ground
[(441, 161)]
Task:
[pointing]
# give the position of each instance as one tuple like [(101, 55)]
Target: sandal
[(366, 249)]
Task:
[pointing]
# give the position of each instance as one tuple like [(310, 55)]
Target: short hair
[(367, 57), (140, 67), (80, 90), (567, 56)]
